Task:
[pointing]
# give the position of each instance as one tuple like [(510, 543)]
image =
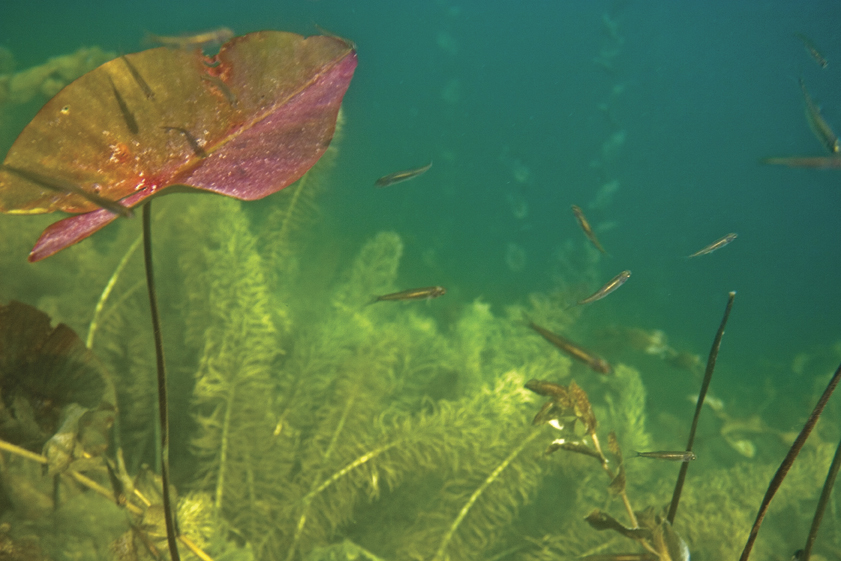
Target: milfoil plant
[(244, 123)]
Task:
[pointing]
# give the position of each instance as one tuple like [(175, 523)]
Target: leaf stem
[(611, 475), (171, 534)]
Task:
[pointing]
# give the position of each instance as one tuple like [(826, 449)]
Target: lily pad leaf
[(244, 123)]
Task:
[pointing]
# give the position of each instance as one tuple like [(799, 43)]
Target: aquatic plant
[(266, 106), (787, 463), (56, 394), (342, 417), (48, 78), (569, 411), (260, 130), (292, 216), (314, 426), (233, 387), (342, 429)]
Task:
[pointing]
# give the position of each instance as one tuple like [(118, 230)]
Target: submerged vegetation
[(309, 425)]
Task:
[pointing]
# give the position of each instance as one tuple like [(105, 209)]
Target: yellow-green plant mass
[(308, 425)]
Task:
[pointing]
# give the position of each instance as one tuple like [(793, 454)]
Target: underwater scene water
[(310, 422)]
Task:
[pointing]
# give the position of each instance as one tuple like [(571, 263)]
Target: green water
[(651, 117)]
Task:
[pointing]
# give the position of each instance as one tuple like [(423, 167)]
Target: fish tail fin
[(373, 300)]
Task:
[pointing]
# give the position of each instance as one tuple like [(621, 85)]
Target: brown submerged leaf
[(603, 521), (581, 404), (545, 414), (42, 371), (547, 388), (617, 486), (577, 447)]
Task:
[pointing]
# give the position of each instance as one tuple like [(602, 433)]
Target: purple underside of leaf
[(68, 231), (280, 148), (264, 158)]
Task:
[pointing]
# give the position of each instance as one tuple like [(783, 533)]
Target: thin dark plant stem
[(708, 374), (824, 500), (162, 398), (777, 480)]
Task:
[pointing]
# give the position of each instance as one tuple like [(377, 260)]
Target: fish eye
[(65, 110)]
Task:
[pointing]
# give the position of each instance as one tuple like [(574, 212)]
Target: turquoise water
[(652, 117), (702, 93)]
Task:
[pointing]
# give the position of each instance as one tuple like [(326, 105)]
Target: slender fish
[(595, 363), (200, 40), (399, 176), (718, 244), (620, 557), (675, 456), (818, 124), (128, 117), (614, 283), (64, 186), (812, 50), (424, 293), (191, 140), (222, 87), (588, 231), (815, 162), (147, 91)]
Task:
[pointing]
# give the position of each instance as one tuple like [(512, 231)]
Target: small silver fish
[(718, 244), (812, 50), (588, 231), (424, 293), (814, 162), (596, 363), (198, 40), (614, 283), (823, 132), (621, 557), (399, 176), (675, 456)]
